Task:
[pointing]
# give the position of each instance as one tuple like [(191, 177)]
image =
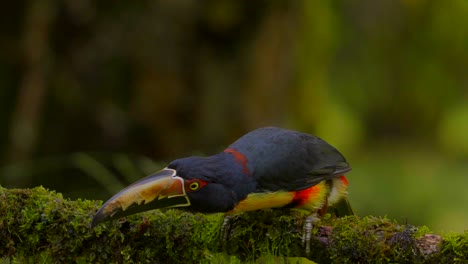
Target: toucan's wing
[(301, 180), (281, 159), (325, 173)]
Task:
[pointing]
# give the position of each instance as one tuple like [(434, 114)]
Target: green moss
[(39, 226), (372, 240), (278, 230), (454, 249), (39, 221)]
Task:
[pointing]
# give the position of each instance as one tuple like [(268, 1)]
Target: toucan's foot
[(225, 230), (310, 221)]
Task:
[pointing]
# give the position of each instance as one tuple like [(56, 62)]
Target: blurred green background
[(92, 92)]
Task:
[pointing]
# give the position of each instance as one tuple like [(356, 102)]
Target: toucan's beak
[(160, 190)]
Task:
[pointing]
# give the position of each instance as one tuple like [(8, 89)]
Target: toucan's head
[(195, 183)]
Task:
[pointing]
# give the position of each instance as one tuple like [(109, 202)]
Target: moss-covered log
[(37, 225)]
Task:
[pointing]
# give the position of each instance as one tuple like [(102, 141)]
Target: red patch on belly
[(240, 159), (301, 197), (344, 180)]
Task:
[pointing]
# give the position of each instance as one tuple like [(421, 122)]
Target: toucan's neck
[(223, 173)]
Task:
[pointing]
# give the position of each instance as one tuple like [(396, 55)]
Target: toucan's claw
[(225, 230), (309, 222)]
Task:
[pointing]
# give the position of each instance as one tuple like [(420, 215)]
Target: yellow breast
[(310, 199)]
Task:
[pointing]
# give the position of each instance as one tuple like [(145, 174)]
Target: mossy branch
[(38, 225)]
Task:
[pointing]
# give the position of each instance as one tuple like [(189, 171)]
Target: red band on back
[(240, 159)]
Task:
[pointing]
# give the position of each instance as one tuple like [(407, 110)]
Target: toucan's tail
[(341, 208)]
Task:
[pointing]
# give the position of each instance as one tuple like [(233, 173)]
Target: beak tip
[(98, 218), (96, 221)]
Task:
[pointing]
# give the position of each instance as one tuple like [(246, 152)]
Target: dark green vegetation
[(38, 225)]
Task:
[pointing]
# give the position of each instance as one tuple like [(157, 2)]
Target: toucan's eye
[(194, 186)]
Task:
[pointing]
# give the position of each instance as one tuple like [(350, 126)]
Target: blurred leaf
[(453, 130), (99, 172)]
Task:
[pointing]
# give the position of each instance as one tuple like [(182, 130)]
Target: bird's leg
[(322, 211), (225, 230), (310, 221)]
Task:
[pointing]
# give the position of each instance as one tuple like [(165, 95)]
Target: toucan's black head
[(208, 185)]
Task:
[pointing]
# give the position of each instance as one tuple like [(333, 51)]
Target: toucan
[(268, 167)]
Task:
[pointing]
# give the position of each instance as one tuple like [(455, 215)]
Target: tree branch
[(38, 225)]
